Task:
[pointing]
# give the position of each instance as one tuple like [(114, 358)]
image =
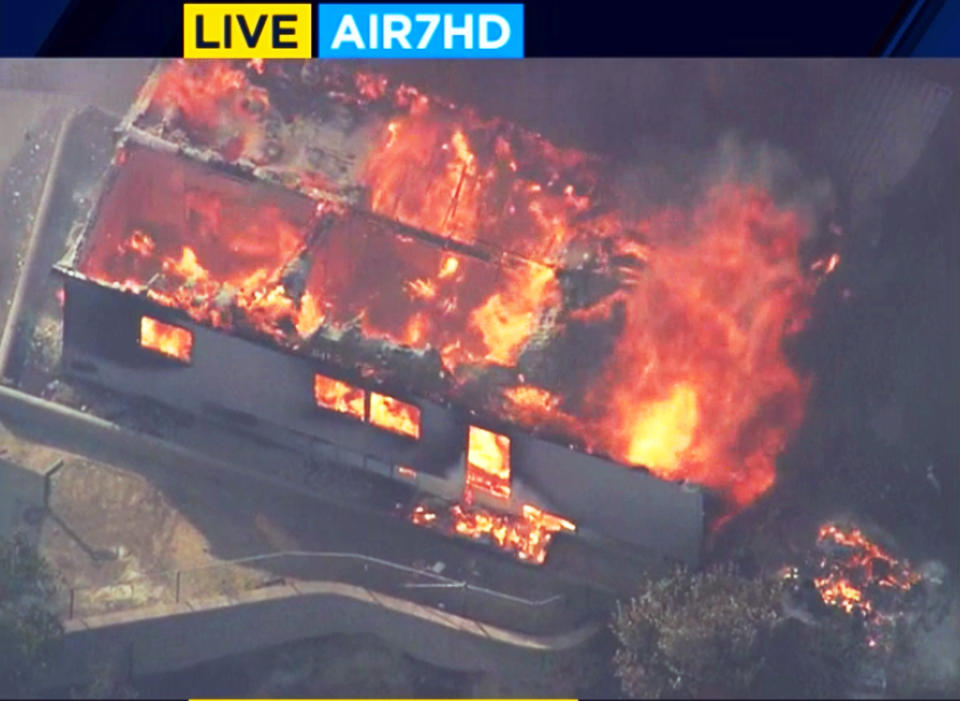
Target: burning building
[(404, 287)]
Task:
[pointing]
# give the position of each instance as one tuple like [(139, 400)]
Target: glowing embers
[(406, 472), (859, 577), (394, 415), (172, 341), (853, 568), (338, 396), (488, 462)]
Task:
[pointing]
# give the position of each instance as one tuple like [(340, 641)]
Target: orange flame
[(696, 386), (508, 317), (421, 516), (172, 341), (488, 462), (338, 396), (526, 535), (853, 568), (394, 415)]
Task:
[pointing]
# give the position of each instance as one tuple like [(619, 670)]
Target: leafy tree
[(694, 635), (30, 631), (718, 633), (812, 661)]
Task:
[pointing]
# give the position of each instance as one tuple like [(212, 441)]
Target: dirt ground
[(26, 140), (107, 525)]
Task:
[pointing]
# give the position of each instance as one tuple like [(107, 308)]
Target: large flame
[(219, 103), (696, 386)]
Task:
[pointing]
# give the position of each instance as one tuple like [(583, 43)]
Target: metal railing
[(554, 614)]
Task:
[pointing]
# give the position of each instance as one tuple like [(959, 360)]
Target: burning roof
[(504, 270)]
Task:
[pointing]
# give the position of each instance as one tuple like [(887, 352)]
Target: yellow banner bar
[(261, 30)]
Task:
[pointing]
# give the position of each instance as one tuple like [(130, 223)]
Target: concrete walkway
[(164, 638)]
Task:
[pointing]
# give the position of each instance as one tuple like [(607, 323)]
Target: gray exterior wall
[(235, 381), (628, 505), (265, 391)]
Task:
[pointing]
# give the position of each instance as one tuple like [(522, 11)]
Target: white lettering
[(390, 32), (450, 31), (433, 21), (485, 21), (348, 31), (373, 30)]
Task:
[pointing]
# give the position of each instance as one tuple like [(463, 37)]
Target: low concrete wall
[(166, 638), (169, 637), (78, 432)]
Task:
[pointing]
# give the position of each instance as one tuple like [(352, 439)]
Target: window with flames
[(339, 396), (392, 414), (169, 340), (488, 462), (383, 411)]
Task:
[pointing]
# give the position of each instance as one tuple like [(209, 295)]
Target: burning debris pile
[(515, 249), (851, 573), (857, 571), (526, 535), (888, 626)]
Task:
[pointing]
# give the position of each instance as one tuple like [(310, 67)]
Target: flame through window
[(488, 462), (385, 412), (171, 341), (338, 396), (394, 415)]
